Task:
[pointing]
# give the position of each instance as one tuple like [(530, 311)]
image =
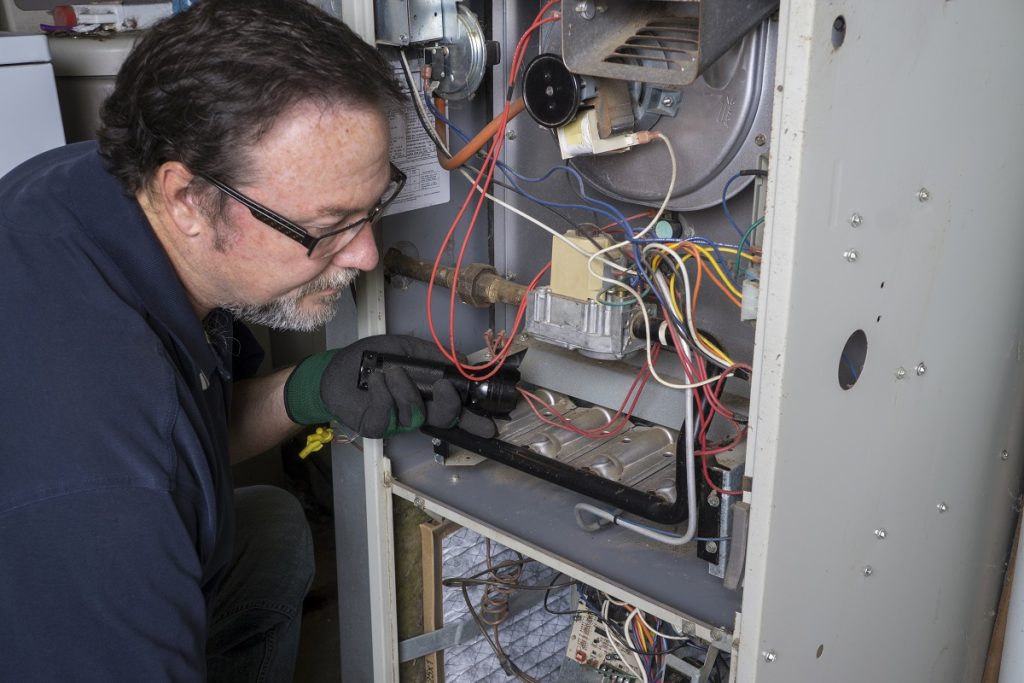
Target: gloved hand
[(324, 387)]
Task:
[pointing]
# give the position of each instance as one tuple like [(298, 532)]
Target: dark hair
[(205, 85)]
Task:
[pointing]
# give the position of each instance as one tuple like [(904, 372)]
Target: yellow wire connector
[(316, 441)]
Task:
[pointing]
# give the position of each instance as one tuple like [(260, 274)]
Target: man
[(123, 268)]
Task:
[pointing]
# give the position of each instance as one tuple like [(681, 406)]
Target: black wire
[(607, 622)]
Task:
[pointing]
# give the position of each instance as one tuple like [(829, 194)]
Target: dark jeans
[(257, 613)]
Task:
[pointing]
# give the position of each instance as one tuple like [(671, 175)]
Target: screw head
[(881, 533), (711, 547), (455, 478), (769, 656), (920, 369), (716, 635), (855, 219), (403, 39), (942, 507), (511, 134), (901, 373), (713, 499), (1005, 455), (688, 629), (435, 442), (850, 255), (419, 503), (868, 571), (760, 140), (923, 195), (667, 101)]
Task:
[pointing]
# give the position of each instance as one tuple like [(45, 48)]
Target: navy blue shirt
[(116, 511)]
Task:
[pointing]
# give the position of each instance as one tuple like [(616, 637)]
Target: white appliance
[(86, 71), (31, 123)]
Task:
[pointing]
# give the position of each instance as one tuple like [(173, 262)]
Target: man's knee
[(272, 525)]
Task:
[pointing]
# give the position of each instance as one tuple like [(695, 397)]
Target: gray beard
[(284, 313)]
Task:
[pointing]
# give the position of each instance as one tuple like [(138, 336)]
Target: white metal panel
[(30, 124), (922, 94)]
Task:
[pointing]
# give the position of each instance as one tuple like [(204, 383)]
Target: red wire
[(487, 169), (605, 431)]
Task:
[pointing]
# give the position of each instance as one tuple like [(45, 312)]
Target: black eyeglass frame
[(296, 231)]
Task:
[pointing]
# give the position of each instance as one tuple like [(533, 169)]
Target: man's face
[(322, 169)]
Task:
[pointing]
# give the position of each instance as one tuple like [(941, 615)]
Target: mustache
[(339, 279)]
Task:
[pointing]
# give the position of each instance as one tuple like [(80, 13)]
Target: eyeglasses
[(317, 246)]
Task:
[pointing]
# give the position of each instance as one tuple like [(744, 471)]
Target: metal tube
[(478, 283), (646, 505)]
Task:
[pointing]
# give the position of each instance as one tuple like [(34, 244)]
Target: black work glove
[(325, 387)]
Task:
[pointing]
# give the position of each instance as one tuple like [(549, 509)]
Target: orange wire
[(487, 170)]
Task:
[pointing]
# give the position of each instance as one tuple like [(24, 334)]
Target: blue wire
[(714, 248), (725, 205), (612, 212), (602, 208)]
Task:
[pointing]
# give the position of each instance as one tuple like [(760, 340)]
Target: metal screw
[(856, 219), (923, 194), (881, 533), (769, 656), (850, 255), (585, 9), (435, 442), (711, 547), (667, 101), (688, 628), (901, 373), (511, 276), (418, 503), (511, 134), (942, 507), (403, 39), (716, 635), (713, 499), (920, 369), (760, 139), (1004, 455), (868, 571), (455, 478)]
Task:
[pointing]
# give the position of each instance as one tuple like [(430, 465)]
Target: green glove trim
[(302, 399)]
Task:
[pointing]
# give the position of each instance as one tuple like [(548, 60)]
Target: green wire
[(739, 248), (600, 298)]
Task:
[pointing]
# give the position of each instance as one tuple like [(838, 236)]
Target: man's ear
[(172, 183)]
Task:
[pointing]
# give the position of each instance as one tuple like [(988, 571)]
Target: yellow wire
[(675, 307), (714, 262)]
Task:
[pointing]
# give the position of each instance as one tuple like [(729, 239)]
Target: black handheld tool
[(496, 396)]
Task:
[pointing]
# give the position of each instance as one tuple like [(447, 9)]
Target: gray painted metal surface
[(536, 518), (861, 129)]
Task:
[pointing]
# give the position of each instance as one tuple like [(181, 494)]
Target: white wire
[(662, 284), (636, 645), (612, 637), (640, 616), (424, 116), (671, 186), (545, 227)]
